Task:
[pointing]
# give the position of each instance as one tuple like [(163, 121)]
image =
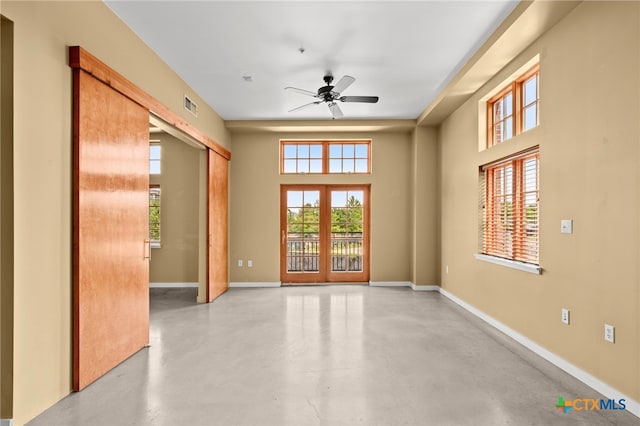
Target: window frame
[(516, 88), (325, 160), (517, 241)]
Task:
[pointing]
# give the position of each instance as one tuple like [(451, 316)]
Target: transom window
[(325, 157), (302, 158), (155, 157), (515, 109), (510, 208)]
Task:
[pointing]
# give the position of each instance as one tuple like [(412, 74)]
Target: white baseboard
[(404, 284), (251, 284), (390, 283), (425, 287), (173, 285), (6, 422), (609, 392)]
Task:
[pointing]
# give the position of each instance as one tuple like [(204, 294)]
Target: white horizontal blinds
[(500, 220), (527, 237), (154, 213), (482, 210), (511, 208)]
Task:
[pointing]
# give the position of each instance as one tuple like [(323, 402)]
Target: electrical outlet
[(240, 263), (609, 333), (565, 316), (249, 263)]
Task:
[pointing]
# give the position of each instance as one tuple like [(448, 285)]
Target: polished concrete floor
[(334, 355)]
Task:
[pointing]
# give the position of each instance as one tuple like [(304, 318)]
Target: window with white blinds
[(154, 215), (510, 208)]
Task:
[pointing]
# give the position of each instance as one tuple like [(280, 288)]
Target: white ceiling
[(403, 52)]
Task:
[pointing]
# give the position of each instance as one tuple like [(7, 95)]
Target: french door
[(324, 233)]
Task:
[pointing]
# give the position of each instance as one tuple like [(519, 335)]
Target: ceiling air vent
[(190, 106)]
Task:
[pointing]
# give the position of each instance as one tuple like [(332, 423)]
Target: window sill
[(521, 266), (156, 245)]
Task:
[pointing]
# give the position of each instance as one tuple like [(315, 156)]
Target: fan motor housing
[(325, 93)]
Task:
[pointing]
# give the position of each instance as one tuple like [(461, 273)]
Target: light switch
[(240, 263), (609, 333), (566, 226), (249, 263)]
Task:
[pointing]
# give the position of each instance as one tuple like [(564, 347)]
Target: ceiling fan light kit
[(331, 94)]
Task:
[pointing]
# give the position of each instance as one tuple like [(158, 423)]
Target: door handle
[(147, 250), (283, 237)]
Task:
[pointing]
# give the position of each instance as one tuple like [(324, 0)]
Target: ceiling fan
[(331, 94)]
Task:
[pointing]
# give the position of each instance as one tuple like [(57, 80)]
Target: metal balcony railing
[(303, 253)]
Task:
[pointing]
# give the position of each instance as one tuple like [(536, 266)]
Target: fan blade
[(344, 82), (366, 99), (305, 105), (335, 110), (302, 91)]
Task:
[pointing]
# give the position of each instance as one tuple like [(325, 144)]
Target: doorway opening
[(324, 233), (177, 211)]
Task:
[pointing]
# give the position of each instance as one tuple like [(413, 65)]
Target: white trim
[(409, 284), (256, 284), (521, 266), (390, 283), (6, 422), (609, 392), (417, 287), (173, 285)]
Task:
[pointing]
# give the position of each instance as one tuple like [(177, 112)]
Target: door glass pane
[(303, 231), (346, 231)]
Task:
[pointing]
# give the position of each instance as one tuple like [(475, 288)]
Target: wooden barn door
[(111, 248), (218, 220)]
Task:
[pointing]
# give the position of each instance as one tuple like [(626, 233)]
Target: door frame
[(325, 275)]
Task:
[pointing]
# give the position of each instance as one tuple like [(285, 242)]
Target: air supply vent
[(190, 106)]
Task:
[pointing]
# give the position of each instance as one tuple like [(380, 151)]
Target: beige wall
[(176, 261), (43, 176), (589, 160), (588, 141), (255, 203), (425, 207)]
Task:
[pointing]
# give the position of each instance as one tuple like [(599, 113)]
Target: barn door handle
[(147, 249)]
